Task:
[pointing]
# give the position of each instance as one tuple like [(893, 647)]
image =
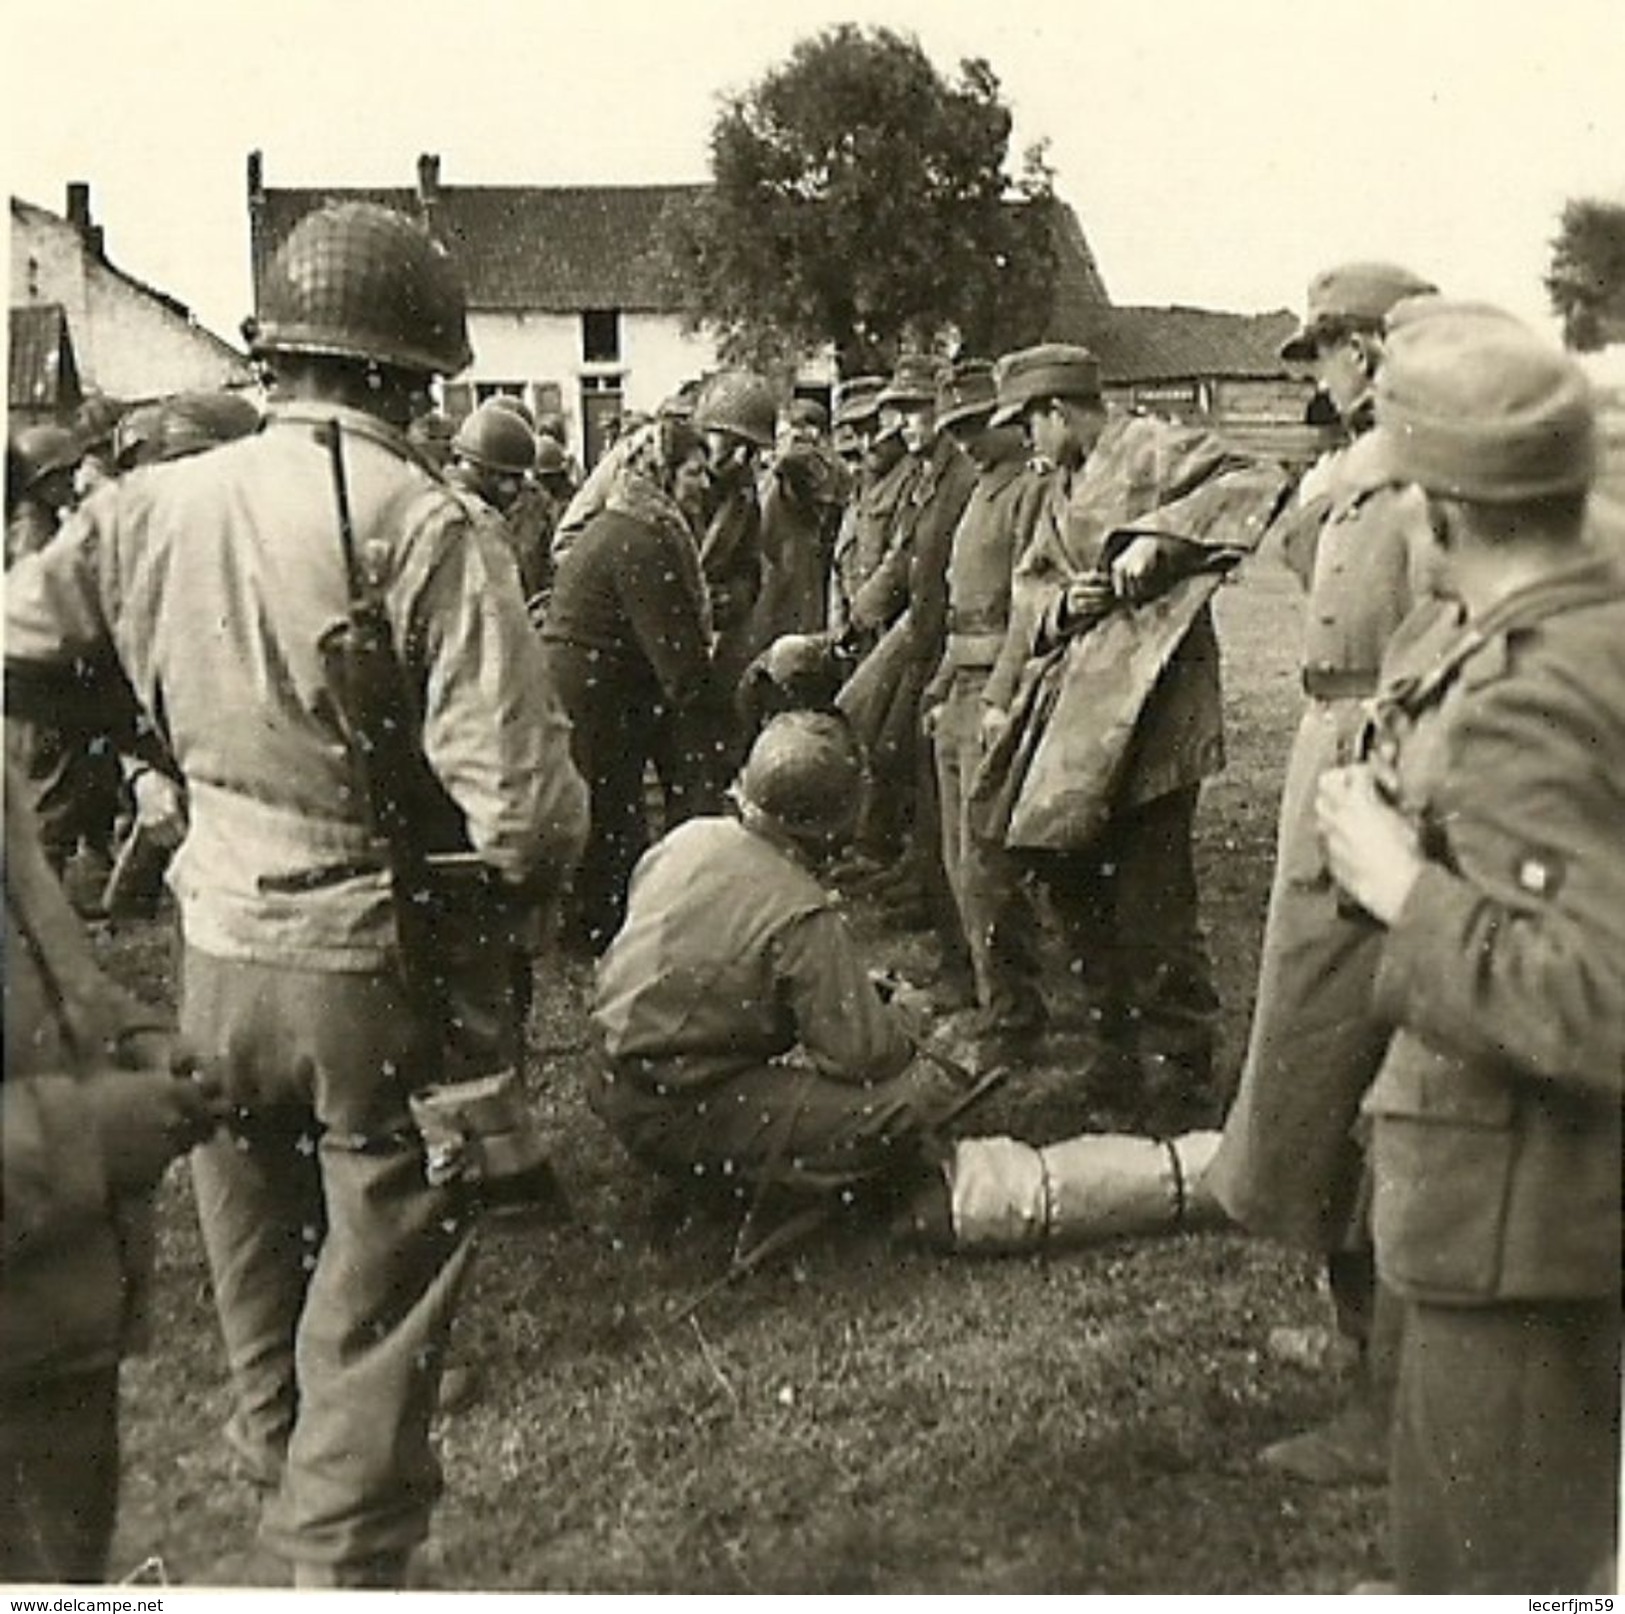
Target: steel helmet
[(40, 450), (95, 421), (805, 774), (190, 422), (551, 459), (741, 402), (136, 434), (550, 423), (360, 281), (514, 405), (496, 439)]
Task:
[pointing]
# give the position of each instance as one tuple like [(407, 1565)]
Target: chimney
[(259, 250), (428, 179), (79, 215)]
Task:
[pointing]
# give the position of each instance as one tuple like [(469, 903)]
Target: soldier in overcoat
[(1484, 833), (1289, 1166)]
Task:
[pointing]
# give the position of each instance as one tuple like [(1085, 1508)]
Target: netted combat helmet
[(496, 439), (806, 776), (360, 281), (738, 401)]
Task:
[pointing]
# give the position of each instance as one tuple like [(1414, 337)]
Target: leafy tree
[(1586, 281), (861, 198)]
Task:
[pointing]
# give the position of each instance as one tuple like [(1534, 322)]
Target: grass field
[(855, 1419)]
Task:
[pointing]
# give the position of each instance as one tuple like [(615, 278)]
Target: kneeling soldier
[(744, 1041)]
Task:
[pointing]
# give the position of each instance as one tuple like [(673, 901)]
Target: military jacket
[(1496, 1137), (731, 955), (214, 582), (1371, 565), (75, 1255), (913, 573), (879, 508)]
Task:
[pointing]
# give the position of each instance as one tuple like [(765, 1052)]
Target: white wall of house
[(47, 261), (127, 343), (524, 349), (135, 347)]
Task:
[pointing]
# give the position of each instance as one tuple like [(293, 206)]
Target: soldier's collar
[(357, 422), (1589, 579)]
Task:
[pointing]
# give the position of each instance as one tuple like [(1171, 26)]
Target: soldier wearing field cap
[(1484, 832), (1110, 613), (907, 597), (885, 474), (1289, 1166), (995, 910)]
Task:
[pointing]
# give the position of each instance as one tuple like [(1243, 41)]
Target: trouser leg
[(59, 1462), (259, 1207), (618, 836), (995, 911), (781, 1125), (1079, 886), (1505, 1471), (381, 1276), (926, 837), (361, 1475), (1162, 960)]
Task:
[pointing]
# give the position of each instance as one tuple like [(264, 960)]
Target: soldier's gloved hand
[(1086, 602), (144, 1118), (1134, 571)]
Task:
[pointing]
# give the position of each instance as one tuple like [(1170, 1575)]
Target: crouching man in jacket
[(744, 1043)]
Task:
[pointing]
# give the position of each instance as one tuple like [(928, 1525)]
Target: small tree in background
[(862, 199), (1586, 281)]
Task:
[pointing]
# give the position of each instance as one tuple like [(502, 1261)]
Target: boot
[(1351, 1448)]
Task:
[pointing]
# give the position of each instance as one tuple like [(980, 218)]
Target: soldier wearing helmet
[(39, 486), (72, 776), (336, 1267), (737, 411), (626, 637), (493, 455), (743, 1043), (94, 423)]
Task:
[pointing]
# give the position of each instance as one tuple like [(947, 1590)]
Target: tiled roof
[(40, 371), (1170, 344), (556, 249), (561, 249)]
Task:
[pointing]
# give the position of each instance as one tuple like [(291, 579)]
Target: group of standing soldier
[(960, 656)]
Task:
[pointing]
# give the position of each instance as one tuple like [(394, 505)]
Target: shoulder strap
[(1589, 586)]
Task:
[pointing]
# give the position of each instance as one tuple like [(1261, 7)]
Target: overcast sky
[(1217, 152)]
